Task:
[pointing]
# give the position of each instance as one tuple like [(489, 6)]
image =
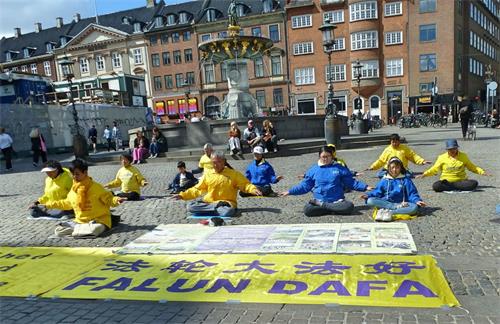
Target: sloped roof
[(256, 8)]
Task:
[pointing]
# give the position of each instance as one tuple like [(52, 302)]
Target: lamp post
[(357, 67), (488, 79), (332, 120), (360, 126), (80, 148)]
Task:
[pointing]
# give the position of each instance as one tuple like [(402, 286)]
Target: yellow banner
[(366, 280)]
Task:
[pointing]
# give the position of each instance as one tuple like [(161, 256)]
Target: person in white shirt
[(108, 137), (116, 134), (6, 147)]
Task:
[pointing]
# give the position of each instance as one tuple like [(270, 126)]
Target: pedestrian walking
[(6, 147), (38, 146), (465, 113), (93, 138), (108, 136), (116, 135)]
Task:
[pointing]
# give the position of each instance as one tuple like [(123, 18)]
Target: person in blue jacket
[(261, 174), (183, 180), (395, 193), (327, 181)]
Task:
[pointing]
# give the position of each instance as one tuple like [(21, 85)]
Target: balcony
[(324, 3)]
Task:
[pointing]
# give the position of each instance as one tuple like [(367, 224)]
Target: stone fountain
[(236, 50)]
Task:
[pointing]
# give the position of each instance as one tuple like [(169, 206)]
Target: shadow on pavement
[(124, 228), (428, 211), (257, 209)]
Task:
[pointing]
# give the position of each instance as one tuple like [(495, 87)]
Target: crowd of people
[(73, 193)]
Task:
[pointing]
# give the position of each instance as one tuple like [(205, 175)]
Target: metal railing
[(89, 95)]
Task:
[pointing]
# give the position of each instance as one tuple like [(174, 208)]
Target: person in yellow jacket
[(402, 152), (221, 188), (452, 165), (205, 164), (129, 179), (90, 201), (57, 185)]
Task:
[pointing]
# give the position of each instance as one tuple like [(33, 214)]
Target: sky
[(25, 13)]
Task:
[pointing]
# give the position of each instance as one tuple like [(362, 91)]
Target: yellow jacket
[(453, 169), (99, 200), (129, 178), (206, 164), (58, 188), (222, 186), (403, 152)]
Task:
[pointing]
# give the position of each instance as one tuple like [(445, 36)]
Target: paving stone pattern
[(454, 228)]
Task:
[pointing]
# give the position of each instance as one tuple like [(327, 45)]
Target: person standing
[(465, 113), (108, 136), (38, 146), (6, 147), (93, 138), (116, 135)]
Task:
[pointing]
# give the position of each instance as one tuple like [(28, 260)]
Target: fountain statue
[(235, 50)]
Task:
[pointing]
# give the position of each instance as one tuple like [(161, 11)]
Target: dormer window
[(26, 52), (8, 56), (50, 47), (211, 15), (171, 19), (158, 21), (137, 27), (63, 40), (240, 10), (268, 5), (183, 18), (126, 20)]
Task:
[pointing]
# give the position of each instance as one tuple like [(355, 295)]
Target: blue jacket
[(396, 190), (261, 174), (327, 182), (177, 180)]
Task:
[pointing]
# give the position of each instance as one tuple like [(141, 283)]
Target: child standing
[(183, 180), (129, 179)]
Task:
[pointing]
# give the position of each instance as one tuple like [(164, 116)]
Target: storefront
[(175, 108)]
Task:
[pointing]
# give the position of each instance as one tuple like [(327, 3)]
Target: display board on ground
[(367, 238), (97, 273)]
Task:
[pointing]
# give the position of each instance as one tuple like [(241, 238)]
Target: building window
[(24, 68), (116, 58), (394, 67), (260, 95), (137, 27), (164, 38), (364, 40), (339, 44), (155, 59), (393, 9), (209, 73), (179, 80), (256, 31), (8, 56), (183, 18), (274, 33), (303, 48), (169, 83), (177, 57), (304, 76), (267, 6), (137, 55), (426, 87), (369, 70), (63, 40), (188, 55), (99, 63), (223, 71), (166, 58), (259, 67), (240, 10), (278, 97), (157, 82), (306, 106), (363, 10), (205, 37), (170, 20), (175, 37), (222, 34), (49, 47), (34, 69), (186, 35), (393, 38), (46, 68), (276, 65), (84, 65), (334, 17), (190, 78), (427, 6), (158, 21), (375, 102), (26, 52), (153, 39), (211, 15), (338, 71), (427, 33), (428, 62), (171, 107), (301, 21)]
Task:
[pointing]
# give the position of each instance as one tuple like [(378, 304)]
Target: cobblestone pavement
[(454, 228)]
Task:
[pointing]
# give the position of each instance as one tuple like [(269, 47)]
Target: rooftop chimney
[(150, 3), (59, 22), (17, 32), (76, 17), (38, 27)]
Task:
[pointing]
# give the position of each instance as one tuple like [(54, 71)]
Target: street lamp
[(80, 148), (332, 122), (357, 68)]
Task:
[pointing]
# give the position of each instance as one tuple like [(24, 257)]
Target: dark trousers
[(39, 153), (7, 153), (464, 185), (129, 195), (465, 125), (341, 208), (184, 187), (110, 144)]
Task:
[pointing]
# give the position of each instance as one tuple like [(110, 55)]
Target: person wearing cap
[(395, 193), (401, 151), (129, 179), (327, 181), (260, 173), (221, 187), (57, 185), (251, 134), (452, 165), (183, 180), (90, 202), (205, 164)]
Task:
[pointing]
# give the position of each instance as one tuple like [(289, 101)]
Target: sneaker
[(134, 162), (379, 216), (275, 150), (266, 151), (387, 216)]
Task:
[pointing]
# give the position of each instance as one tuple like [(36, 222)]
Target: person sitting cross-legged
[(90, 202), (395, 193), (129, 179), (183, 180), (452, 165), (205, 164), (327, 181), (221, 187), (261, 174)]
